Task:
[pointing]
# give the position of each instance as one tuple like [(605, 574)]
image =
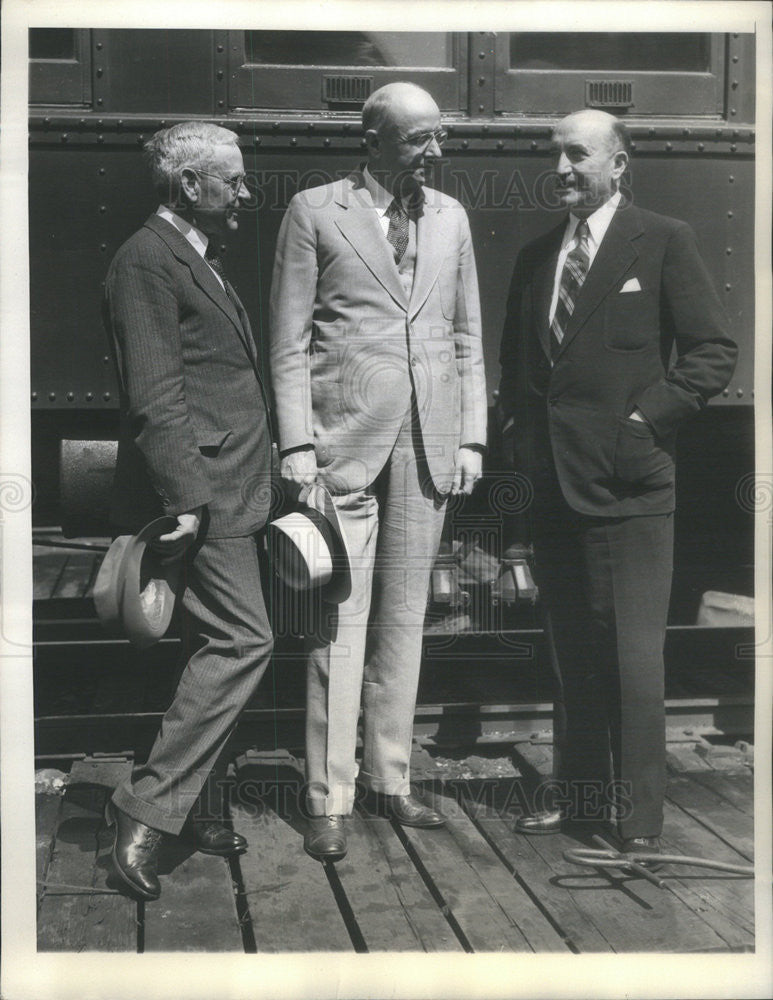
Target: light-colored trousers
[(368, 648)]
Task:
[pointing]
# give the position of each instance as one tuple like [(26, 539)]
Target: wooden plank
[(197, 910), (291, 903), (79, 910), (477, 913), (737, 790), (47, 568), (393, 908), (77, 574), (506, 891), (715, 813), (46, 820), (681, 758), (725, 902)]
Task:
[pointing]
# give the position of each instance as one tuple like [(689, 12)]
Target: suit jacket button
[(165, 501)]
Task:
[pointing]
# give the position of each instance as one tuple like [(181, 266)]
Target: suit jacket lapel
[(542, 290), (614, 257), (430, 251), (360, 227), (203, 276)]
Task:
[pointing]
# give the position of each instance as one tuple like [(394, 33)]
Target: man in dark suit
[(592, 398), (194, 443)]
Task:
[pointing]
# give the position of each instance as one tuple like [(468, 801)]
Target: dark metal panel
[(154, 71), (63, 80)]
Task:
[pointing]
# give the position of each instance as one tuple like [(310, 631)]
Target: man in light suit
[(593, 401), (379, 391), (194, 443)]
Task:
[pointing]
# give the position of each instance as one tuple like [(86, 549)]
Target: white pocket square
[(632, 285)]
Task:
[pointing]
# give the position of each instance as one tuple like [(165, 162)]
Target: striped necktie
[(398, 229), (572, 278), (215, 261)]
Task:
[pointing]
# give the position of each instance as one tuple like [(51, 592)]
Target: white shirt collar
[(194, 236), (598, 222)]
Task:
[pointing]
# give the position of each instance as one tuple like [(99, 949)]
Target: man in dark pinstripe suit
[(194, 443)]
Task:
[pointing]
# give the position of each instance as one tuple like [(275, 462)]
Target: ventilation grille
[(346, 89), (608, 93)]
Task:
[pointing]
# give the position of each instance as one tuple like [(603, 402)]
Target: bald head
[(402, 131), (592, 150)]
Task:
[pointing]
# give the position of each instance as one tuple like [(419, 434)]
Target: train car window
[(650, 74), (337, 70), (59, 66)]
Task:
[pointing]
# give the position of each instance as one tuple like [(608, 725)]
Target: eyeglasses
[(423, 139), (234, 183)]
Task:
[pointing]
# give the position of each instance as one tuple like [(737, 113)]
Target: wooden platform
[(473, 886)]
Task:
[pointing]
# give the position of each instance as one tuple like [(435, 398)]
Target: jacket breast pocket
[(630, 321)]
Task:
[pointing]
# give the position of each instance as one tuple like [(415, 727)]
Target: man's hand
[(467, 470), (300, 467), (173, 545)]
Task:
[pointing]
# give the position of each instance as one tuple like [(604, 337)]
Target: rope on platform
[(609, 857)]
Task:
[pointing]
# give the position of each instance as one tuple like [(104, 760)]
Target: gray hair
[(188, 144)]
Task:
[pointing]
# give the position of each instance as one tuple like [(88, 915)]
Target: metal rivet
[(65, 137), (219, 74), (70, 397), (728, 287), (730, 215), (651, 131), (140, 139), (100, 138), (52, 396), (633, 147), (46, 121), (99, 123), (100, 101), (294, 141), (731, 178), (500, 144), (258, 140), (101, 171), (103, 247), (221, 104), (326, 142), (89, 396), (732, 111), (275, 126), (220, 48), (363, 143), (736, 133), (465, 143), (734, 84), (733, 148), (310, 127), (481, 55), (103, 208), (82, 122), (481, 107), (701, 147), (718, 133), (735, 59), (106, 397), (34, 397), (481, 80), (100, 71), (669, 147), (739, 393), (484, 129), (533, 145), (105, 360), (725, 393), (728, 250), (685, 132)]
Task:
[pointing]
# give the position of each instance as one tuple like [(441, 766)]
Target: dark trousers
[(605, 585), (227, 642)]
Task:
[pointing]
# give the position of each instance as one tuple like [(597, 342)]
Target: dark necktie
[(572, 278), (398, 229), (215, 261)]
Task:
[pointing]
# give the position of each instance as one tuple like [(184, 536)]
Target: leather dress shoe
[(540, 823), (325, 838), (210, 837), (408, 811), (649, 846), (135, 852)]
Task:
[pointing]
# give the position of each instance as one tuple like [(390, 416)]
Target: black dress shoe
[(408, 811), (210, 837), (540, 823), (646, 850), (325, 838), (135, 852)]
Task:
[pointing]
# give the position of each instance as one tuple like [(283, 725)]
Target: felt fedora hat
[(134, 591), (307, 545)]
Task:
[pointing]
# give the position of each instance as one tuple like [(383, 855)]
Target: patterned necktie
[(398, 229), (572, 277), (215, 261)]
